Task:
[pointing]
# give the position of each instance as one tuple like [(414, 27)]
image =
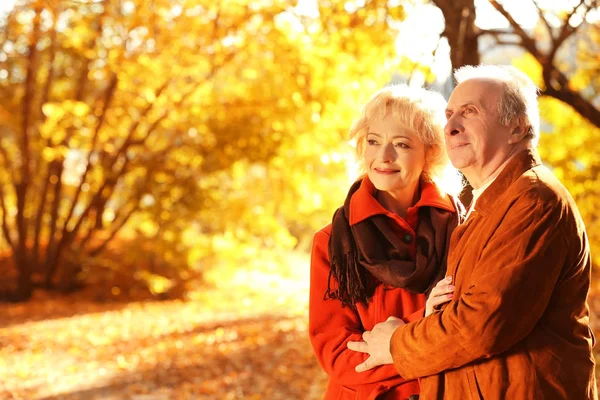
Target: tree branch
[(38, 221), (22, 185), (97, 204), (557, 86), (52, 253), (544, 20), (44, 193), (54, 169), (135, 197), (526, 41), (109, 95), (498, 42), (566, 31), (98, 249), (497, 35), (494, 32)]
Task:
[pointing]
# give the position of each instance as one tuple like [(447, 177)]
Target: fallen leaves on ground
[(228, 343), (244, 339)]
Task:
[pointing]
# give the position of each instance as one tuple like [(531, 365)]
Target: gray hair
[(518, 99)]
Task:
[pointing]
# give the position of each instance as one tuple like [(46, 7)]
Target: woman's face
[(394, 157)]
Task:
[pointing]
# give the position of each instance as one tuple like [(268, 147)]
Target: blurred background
[(164, 164)]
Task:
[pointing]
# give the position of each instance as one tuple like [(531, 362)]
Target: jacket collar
[(363, 203), (521, 162)]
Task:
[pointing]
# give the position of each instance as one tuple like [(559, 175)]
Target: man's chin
[(459, 163)]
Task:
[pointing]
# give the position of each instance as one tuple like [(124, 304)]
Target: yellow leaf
[(53, 110), (80, 109)]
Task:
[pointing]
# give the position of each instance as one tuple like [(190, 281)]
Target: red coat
[(331, 326)]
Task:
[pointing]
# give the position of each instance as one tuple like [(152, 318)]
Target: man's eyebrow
[(463, 105)]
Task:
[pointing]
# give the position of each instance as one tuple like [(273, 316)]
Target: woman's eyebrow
[(393, 137)]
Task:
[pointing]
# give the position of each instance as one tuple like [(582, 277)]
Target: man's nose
[(453, 126)]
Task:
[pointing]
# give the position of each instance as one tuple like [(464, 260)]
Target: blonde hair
[(519, 94), (422, 111)]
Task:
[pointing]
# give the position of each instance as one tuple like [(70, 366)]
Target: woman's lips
[(386, 171)]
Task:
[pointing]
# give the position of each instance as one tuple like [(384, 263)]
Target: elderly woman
[(386, 246)]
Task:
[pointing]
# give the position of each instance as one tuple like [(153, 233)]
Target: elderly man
[(517, 326)]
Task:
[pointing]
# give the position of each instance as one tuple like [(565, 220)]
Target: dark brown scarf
[(374, 251)]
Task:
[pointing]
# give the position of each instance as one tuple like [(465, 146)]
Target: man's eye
[(469, 110)]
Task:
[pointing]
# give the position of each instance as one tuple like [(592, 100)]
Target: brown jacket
[(518, 327)]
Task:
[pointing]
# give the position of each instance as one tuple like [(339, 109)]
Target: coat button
[(407, 238)]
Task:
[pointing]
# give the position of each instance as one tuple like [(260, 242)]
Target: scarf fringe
[(352, 281)]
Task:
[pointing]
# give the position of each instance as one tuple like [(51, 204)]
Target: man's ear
[(519, 130)]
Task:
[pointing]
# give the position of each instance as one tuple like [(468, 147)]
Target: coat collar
[(363, 203), (521, 162)]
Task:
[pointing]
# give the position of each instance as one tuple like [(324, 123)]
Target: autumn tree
[(115, 109), (561, 55), (558, 28), (169, 122)]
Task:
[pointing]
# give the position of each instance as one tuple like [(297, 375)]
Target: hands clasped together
[(376, 343)]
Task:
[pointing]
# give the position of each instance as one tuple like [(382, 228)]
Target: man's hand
[(377, 344)]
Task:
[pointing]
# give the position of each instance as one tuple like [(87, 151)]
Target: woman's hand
[(440, 294)]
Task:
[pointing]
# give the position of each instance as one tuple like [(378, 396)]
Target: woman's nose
[(387, 153)]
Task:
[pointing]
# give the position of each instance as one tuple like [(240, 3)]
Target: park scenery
[(165, 163)]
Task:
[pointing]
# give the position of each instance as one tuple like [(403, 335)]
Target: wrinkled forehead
[(484, 92)]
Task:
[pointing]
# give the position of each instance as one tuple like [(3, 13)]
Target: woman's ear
[(519, 130)]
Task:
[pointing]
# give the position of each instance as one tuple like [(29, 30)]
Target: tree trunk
[(462, 35), (460, 30), (24, 283)]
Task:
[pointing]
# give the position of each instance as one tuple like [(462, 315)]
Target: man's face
[(474, 135)]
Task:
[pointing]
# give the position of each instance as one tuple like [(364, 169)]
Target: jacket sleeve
[(508, 291), (332, 326)]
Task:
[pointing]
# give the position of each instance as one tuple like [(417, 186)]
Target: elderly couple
[(411, 295)]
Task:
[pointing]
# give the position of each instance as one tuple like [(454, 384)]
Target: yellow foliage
[(53, 110), (156, 283), (202, 125)]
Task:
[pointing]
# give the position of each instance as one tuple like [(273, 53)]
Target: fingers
[(442, 293), (436, 301), (367, 365), (362, 347), (365, 336), (440, 290), (446, 281)]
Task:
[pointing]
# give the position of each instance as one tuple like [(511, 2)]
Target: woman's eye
[(402, 145), (371, 142)]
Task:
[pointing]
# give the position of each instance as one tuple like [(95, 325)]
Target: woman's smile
[(386, 171)]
